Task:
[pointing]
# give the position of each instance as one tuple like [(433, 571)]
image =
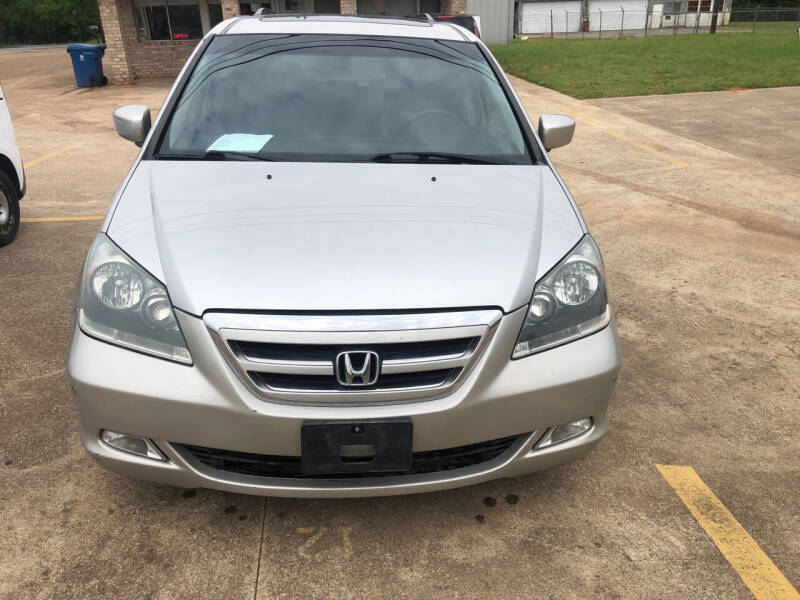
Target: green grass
[(662, 65)]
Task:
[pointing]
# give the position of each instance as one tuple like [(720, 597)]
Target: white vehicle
[(12, 176)]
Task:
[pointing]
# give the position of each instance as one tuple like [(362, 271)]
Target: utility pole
[(584, 15), (714, 16)]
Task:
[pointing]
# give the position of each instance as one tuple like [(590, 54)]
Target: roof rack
[(266, 12)]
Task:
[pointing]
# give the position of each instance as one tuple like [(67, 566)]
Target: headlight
[(121, 303), (568, 303)]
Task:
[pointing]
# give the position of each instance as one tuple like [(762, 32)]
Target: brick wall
[(116, 62), (160, 58), (449, 7), (454, 7), (128, 58), (230, 8)]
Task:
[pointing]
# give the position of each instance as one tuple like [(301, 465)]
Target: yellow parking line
[(577, 115), (674, 162), (36, 161), (755, 568), (663, 169), (60, 219), (650, 149), (305, 530), (667, 168)]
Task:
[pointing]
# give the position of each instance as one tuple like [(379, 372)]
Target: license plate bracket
[(353, 447)]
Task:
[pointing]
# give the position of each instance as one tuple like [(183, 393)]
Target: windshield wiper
[(424, 157), (214, 155)]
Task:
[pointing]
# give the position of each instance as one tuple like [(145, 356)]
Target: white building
[(551, 17)]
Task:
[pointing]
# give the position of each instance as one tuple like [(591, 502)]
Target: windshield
[(343, 98)]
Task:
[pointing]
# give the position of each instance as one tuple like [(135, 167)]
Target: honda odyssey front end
[(357, 275)]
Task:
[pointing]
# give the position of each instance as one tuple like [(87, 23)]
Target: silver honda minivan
[(342, 265)]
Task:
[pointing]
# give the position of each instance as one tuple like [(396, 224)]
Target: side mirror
[(132, 122), (556, 130)]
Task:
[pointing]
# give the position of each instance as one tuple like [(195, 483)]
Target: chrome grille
[(293, 357), (395, 381)]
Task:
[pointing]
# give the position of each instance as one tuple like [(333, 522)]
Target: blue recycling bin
[(87, 62)]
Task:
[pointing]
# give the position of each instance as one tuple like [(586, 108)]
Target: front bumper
[(207, 405)]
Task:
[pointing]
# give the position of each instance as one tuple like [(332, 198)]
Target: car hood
[(336, 237)]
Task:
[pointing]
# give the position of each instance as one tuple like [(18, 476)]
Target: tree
[(46, 21)]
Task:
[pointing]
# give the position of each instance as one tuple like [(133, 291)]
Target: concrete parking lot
[(763, 125), (701, 246)]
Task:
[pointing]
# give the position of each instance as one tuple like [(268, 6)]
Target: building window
[(398, 8), (249, 8), (430, 6), (175, 19), (703, 5), (402, 8), (327, 7), (371, 7), (152, 23), (291, 6), (184, 22), (214, 14)]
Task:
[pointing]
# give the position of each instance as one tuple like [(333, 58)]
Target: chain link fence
[(599, 23)]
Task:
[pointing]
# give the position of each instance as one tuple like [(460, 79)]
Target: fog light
[(562, 433), (132, 444)]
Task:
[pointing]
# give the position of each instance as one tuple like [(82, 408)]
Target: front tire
[(9, 210)]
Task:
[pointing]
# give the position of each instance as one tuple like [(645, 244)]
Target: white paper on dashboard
[(240, 142)]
